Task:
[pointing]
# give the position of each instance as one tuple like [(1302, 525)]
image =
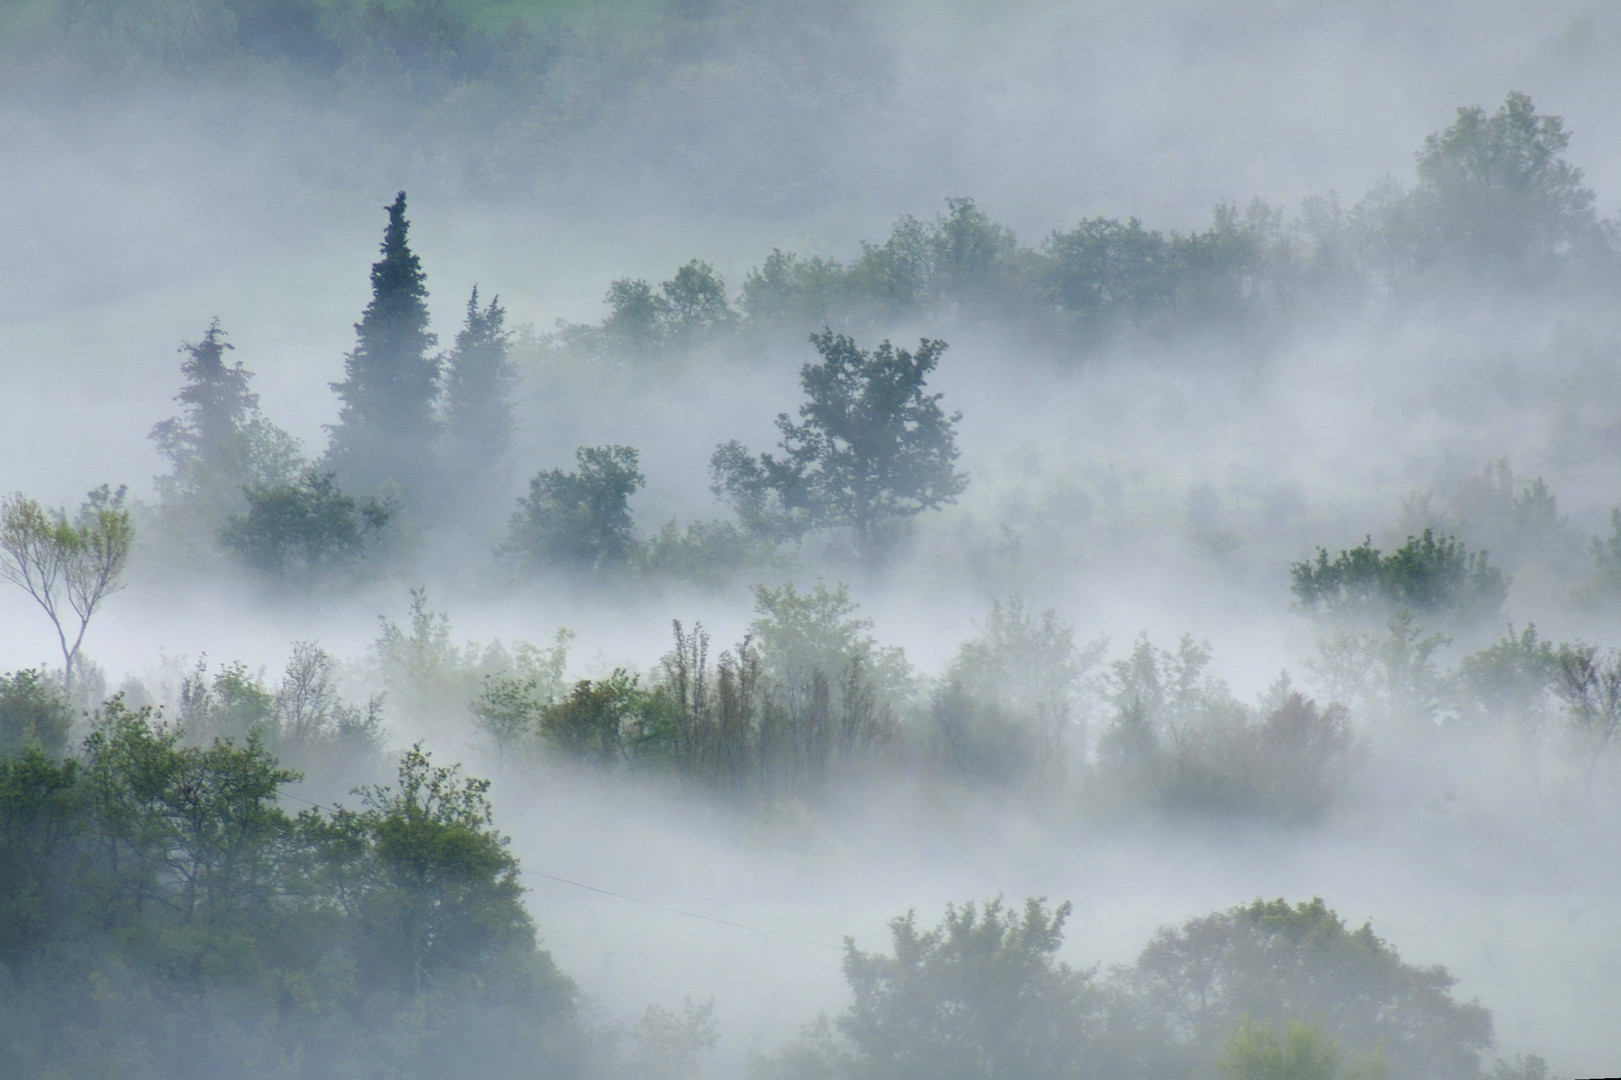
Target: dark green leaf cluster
[(1428, 575), (160, 905), (1288, 763), (34, 713), (983, 996), (307, 529), (1272, 962), (579, 520), (872, 448), (803, 702), (223, 443)]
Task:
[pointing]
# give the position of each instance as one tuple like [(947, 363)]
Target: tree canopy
[(871, 447)]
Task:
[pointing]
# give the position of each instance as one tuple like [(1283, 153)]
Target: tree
[(1014, 691), (873, 447), (1304, 1053), (69, 568), (1103, 272), (1497, 189), (34, 714), (445, 894), (1274, 963), (222, 443), (1428, 575), (478, 382), (579, 519), (697, 304), (981, 997), (1588, 684), (306, 529), (385, 428)]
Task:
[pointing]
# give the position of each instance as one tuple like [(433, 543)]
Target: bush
[(1273, 963), (981, 995), (579, 520), (1428, 575), (34, 714), (308, 530)]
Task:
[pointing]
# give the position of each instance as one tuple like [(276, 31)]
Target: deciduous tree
[(68, 567), (872, 447)]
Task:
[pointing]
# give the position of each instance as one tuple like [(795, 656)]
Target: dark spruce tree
[(478, 379), (386, 428), (222, 443)]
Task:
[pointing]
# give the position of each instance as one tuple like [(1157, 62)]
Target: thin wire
[(688, 914), (638, 900)]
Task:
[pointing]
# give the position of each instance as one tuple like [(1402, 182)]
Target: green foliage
[(1106, 273), (799, 634), (1286, 761), (386, 426), (42, 818), (1428, 575), (1390, 677), (68, 567), (478, 382), (1009, 699), (602, 722), (309, 530), (1496, 190), (1175, 692), (708, 552), (643, 323), (1588, 685), (1511, 680), (1514, 517), (799, 293), (1272, 964), (667, 1046), (445, 897), (34, 714), (231, 706), (805, 700), (983, 995), (510, 707), (579, 520), (1287, 765), (1605, 585), (223, 443), (1304, 1053), (873, 448), (161, 915)]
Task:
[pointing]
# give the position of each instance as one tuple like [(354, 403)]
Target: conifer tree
[(222, 443), (478, 382), (385, 429)]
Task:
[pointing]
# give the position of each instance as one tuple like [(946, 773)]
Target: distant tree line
[(424, 438)]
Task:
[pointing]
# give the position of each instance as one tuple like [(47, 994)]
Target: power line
[(638, 900), (688, 914)]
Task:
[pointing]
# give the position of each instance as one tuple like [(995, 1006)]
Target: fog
[(1157, 481)]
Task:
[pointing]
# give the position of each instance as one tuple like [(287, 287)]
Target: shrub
[(1428, 575)]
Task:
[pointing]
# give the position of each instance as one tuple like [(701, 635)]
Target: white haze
[(130, 223)]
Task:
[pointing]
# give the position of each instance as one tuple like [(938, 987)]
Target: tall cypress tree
[(385, 428), (478, 382)]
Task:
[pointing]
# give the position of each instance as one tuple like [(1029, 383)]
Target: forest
[(760, 615)]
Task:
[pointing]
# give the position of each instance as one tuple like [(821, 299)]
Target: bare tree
[(1589, 685), (68, 567)]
